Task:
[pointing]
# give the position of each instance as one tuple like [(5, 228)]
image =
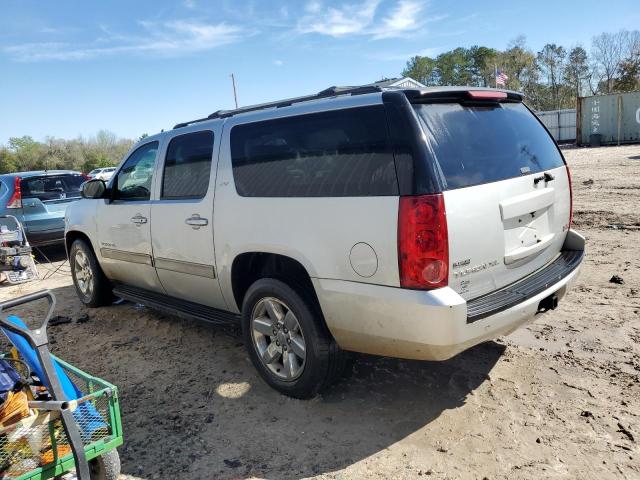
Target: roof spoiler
[(470, 95)]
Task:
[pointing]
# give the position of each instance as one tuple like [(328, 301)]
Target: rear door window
[(52, 187), (329, 154), (187, 166), (473, 145)]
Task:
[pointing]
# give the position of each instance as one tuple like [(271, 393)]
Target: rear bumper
[(432, 325)]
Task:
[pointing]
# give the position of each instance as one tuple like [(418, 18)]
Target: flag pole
[(495, 74)]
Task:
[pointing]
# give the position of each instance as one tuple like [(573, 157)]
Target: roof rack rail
[(327, 92)]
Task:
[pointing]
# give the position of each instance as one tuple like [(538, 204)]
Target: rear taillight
[(570, 198), (16, 199), (423, 243)]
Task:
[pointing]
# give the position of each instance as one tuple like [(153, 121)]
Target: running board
[(175, 306)]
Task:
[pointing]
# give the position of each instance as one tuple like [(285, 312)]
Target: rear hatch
[(45, 199), (506, 191)]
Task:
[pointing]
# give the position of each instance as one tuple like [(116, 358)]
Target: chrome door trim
[(189, 268), (141, 258)]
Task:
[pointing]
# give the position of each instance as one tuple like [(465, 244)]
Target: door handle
[(196, 221), (139, 219)]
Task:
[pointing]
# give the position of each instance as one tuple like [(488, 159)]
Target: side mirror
[(95, 188)]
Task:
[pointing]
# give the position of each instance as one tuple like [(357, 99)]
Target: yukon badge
[(474, 269)]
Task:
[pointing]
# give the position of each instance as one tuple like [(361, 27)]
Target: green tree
[(551, 62), (577, 69), (25, 153), (422, 69), (483, 61), (455, 67), (629, 75)]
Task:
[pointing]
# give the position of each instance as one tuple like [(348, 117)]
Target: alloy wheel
[(83, 273), (278, 338)]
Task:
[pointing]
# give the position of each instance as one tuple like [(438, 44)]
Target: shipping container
[(560, 123), (609, 119)]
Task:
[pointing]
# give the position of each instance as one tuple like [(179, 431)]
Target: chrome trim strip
[(123, 256), (189, 268)]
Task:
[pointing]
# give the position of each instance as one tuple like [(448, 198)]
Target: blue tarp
[(86, 414)]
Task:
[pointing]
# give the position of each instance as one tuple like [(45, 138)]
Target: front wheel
[(106, 466), (92, 286), (287, 340)]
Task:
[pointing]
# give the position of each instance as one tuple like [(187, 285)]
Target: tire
[(92, 286), (106, 466), (323, 360)]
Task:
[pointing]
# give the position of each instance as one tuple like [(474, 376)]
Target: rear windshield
[(475, 145), (52, 187)]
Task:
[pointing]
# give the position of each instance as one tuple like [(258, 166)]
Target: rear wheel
[(92, 286), (287, 340)]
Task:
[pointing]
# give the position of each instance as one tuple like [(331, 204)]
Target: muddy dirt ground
[(557, 399)]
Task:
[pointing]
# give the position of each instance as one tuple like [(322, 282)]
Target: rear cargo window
[(481, 144), (329, 154), (52, 187)]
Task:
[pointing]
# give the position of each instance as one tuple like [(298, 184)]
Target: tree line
[(82, 154), (551, 78)]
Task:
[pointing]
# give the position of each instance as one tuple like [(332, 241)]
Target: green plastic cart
[(56, 440)]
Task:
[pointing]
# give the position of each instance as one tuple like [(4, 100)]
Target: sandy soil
[(558, 399)]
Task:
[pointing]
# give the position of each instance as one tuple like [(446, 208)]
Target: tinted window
[(188, 165), (52, 187), (329, 154), (475, 145), (134, 178)]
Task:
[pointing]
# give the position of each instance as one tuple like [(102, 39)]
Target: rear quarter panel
[(317, 232)]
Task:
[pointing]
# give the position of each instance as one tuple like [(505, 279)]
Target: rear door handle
[(139, 219), (196, 221)]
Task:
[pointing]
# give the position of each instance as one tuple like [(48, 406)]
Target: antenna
[(235, 95)]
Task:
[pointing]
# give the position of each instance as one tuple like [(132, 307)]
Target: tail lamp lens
[(570, 197), (16, 198), (423, 243)]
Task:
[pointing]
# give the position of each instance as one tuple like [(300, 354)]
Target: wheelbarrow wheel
[(106, 466)]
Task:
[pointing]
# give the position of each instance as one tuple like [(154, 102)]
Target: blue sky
[(71, 68)]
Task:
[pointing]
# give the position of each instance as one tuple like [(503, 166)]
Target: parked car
[(102, 173), (39, 199), (406, 223)]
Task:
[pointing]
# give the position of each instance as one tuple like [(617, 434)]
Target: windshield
[(52, 187), (473, 145)]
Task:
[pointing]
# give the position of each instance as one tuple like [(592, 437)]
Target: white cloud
[(191, 4), (403, 18), (406, 16), (278, 63), (174, 38), (338, 21), (313, 6)]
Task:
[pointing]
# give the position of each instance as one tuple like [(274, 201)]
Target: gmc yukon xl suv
[(406, 223)]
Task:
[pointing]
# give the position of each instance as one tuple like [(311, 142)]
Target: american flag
[(501, 78)]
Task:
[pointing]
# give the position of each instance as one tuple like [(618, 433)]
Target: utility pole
[(235, 95)]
